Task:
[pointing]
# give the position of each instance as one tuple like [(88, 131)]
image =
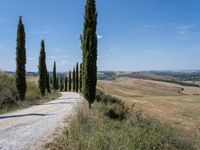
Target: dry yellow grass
[(32, 79), (166, 101)]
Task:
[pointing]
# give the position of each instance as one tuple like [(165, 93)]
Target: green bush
[(102, 97)]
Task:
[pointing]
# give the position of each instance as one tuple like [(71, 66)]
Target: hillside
[(172, 103)]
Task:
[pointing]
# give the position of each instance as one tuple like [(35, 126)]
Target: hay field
[(171, 103)]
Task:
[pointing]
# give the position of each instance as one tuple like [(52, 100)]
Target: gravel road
[(25, 129)]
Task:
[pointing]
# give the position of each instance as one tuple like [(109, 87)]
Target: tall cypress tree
[(66, 84), (80, 78), (74, 80), (61, 83), (21, 61), (89, 47), (54, 76), (70, 81), (77, 78), (42, 69)]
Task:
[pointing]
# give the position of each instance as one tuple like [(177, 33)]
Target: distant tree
[(48, 82), (89, 48), (21, 61), (42, 69), (74, 80), (77, 77), (54, 77), (66, 84), (70, 81), (61, 83), (80, 78)]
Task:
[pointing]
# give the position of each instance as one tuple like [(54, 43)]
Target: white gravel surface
[(25, 129)]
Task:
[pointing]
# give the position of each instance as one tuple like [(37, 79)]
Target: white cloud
[(99, 36), (52, 57)]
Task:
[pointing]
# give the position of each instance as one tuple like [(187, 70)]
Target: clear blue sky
[(133, 34)]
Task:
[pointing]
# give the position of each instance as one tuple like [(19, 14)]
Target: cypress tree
[(70, 81), (77, 80), (66, 84), (89, 48), (61, 83), (42, 69), (21, 61), (54, 80), (80, 78), (48, 82), (74, 80)]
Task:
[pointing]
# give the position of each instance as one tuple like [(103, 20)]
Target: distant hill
[(185, 77)]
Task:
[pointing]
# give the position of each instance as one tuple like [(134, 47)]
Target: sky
[(133, 35)]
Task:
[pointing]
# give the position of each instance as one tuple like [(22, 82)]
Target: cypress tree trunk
[(66, 84), (57, 84), (48, 82), (70, 81), (80, 78), (21, 61), (42, 69), (77, 80), (61, 84), (54, 77), (89, 47), (74, 80)]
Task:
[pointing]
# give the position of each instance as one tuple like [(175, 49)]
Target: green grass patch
[(111, 126)]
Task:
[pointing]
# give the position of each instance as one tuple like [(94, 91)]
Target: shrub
[(8, 91)]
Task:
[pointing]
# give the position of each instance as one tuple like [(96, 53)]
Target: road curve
[(25, 129)]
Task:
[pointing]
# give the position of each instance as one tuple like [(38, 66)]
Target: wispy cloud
[(64, 62), (187, 31), (146, 27), (30, 58), (52, 57)]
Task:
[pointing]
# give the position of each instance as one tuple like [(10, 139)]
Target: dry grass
[(110, 126), (166, 101)]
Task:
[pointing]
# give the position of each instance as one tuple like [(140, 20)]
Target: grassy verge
[(111, 126), (8, 94)]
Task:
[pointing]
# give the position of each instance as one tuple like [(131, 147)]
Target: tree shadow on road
[(23, 115)]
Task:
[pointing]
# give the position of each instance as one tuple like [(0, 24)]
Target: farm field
[(173, 104)]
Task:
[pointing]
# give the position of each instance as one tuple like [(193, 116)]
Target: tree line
[(83, 78)]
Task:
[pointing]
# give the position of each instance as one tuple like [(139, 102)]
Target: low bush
[(8, 94)]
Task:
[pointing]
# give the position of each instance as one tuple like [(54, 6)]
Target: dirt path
[(25, 129)]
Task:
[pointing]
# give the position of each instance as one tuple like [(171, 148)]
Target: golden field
[(173, 104)]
